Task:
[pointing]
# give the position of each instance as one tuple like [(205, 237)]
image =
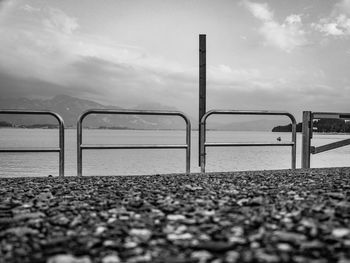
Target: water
[(138, 162)]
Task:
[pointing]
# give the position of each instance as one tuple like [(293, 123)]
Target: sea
[(156, 161)]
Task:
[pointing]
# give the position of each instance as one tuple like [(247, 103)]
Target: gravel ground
[(263, 216)]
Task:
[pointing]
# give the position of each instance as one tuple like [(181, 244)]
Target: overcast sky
[(275, 54)]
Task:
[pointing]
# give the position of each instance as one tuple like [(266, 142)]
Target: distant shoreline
[(134, 129)]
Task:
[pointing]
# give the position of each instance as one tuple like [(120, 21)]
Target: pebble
[(184, 236), (231, 256), (285, 247), (267, 258), (202, 256), (21, 231), (256, 201), (113, 258), (99, 230), (68, 259), (289, 236), (340, 232), (176, 217), (215, 246), (142, 234), (25, 216)]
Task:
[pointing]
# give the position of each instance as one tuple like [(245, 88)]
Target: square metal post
[(202, 89), (306, 141)]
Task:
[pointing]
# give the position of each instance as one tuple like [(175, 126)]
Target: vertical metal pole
[(202, 89), (188, 149), (61, 153), (306, 144), (79, 150), (294, 147), (202, 145)]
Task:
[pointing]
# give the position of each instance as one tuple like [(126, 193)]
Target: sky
[(261, 55)]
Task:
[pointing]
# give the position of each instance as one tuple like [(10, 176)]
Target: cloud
[(337, 24), (43, 53), (57, 20), (30, 8), (286, 36), (259, 10)]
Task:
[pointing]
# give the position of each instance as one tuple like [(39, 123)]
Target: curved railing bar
[(80, 145), (203, 144), (61, 134)]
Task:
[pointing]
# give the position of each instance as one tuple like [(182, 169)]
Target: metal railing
[(81, 146), (307, 149), (204, 144), (59, 149)]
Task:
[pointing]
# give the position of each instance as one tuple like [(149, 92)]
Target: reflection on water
[(131, 162)]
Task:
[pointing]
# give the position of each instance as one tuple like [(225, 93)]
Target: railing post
[(294, 147), (306, 140), (202, 145), (202, 87), (79, 150), (61, 153), (188, 148)]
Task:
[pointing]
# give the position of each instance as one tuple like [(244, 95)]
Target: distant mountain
[(256, 125), (70, 108)]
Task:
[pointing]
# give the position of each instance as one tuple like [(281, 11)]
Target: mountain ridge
[(70, 108)]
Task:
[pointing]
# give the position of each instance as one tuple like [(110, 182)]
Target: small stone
[(312, 245), (335, 195), (61, 220), (193, 187), (202, 256), (111, 259), (340, 232), (100, 229), (289, 236), (285, 247), (208, 212), (25, 216), (344, 260), (21, 231), (110, 243), (76, 221), (142, 234), (175, 217), (184, 236), (130, 244), (68, 259), (256, 201), (254, 245), (111, 220), (243, 201), (44, 196), (232, 256), (215, 246), (141, 258), (268, 258)]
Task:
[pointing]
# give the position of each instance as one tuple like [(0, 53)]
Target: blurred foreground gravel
[(263, 216)]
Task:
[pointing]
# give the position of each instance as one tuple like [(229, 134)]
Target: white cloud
[(338, 22), (30, 8), (342, 6), (260, 11), (286, 36), (58, 20)]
